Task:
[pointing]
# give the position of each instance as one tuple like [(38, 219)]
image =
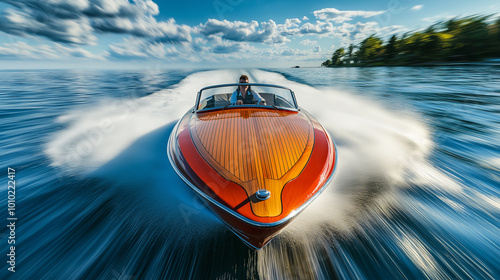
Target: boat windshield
[(215, 97)]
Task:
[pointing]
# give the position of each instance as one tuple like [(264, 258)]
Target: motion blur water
[(415, 195)]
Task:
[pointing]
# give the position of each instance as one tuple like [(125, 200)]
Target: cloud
[(264, 32), (332, 14), (148, 27), (347, 31), (299, 54), (222, 46), (290, 52), (140, 49), (393, 29), (71, 31), (317, 28), (238, 31), (22, 50), (88, 8), (77, 22), (211, 48), (292, 23), (229, 48), (417, 7), (441, 17), (354, 33), (308, 42)]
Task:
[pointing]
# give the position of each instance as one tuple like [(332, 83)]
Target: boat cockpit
[(218, 97)]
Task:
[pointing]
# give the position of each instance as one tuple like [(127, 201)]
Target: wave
[(123, 142)]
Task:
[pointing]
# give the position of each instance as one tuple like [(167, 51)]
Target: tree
[(370, 48), (495, 39), (337, 56), (391, 49), (350, 55), (465, 39), (470, 37)]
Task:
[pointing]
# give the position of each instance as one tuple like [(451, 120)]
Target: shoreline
[(490, 62)]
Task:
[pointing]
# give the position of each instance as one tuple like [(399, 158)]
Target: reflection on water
[(415, 194)]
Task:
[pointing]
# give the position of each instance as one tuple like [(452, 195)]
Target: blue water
[(416, 194)]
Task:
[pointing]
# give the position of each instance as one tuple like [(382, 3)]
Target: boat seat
[(221, 100), (269, 97)]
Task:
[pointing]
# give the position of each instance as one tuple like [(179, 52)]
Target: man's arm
[(234, 98), (258, 98)]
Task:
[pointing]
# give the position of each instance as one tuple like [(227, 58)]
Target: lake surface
[(416, 194)]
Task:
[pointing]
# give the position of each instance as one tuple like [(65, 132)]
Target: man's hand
[(239, 102)]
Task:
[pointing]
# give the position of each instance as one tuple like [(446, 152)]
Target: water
[(416, 194)]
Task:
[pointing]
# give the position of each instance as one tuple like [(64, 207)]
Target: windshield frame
[(198, 96)]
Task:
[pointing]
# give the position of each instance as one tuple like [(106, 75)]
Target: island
[(468, 39)]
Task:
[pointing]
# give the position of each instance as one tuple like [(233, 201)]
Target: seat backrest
[(269, 97), (221, 100)]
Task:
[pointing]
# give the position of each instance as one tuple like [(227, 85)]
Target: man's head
[(244, 79)]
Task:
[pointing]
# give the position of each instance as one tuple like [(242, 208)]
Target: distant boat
[(255, 166), (296, 66)]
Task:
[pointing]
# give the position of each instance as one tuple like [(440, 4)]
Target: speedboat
[(256, 166)]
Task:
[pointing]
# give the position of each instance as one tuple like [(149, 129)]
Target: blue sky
[(204, 34)]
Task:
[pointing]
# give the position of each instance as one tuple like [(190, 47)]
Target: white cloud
[(318, 28), (147, 27), (212, 48), (292, 23), (297, 54), (417, 7), (71, 31), (22, 50), (138, 48), (360, 30), (308, 42), (438, 18), (78, 21), (293, 52), (265, 32), (133, 48), (332, 14), (221, 46), (354, 33)]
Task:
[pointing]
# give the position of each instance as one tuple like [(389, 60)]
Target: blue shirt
[(236, 93)]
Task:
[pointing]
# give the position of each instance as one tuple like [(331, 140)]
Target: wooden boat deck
[(256, 149)]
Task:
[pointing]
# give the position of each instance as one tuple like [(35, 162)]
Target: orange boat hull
[(227, 156)]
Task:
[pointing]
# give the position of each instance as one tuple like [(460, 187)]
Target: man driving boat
[(245, 95)]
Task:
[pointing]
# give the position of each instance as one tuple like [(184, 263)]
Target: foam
[(379, 151)]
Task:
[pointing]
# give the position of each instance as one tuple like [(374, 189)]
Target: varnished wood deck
[(255, 148)]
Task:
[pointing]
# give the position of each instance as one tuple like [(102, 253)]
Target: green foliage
[(370, 48), (350, 53), (337, 57), (391, 49), (470, 38), (494, 32), (327, 63), (458, 39)]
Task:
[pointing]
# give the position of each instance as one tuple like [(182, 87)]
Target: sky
[(119, 34)]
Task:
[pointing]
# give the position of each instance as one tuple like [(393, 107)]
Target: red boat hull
[(226, 156)]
